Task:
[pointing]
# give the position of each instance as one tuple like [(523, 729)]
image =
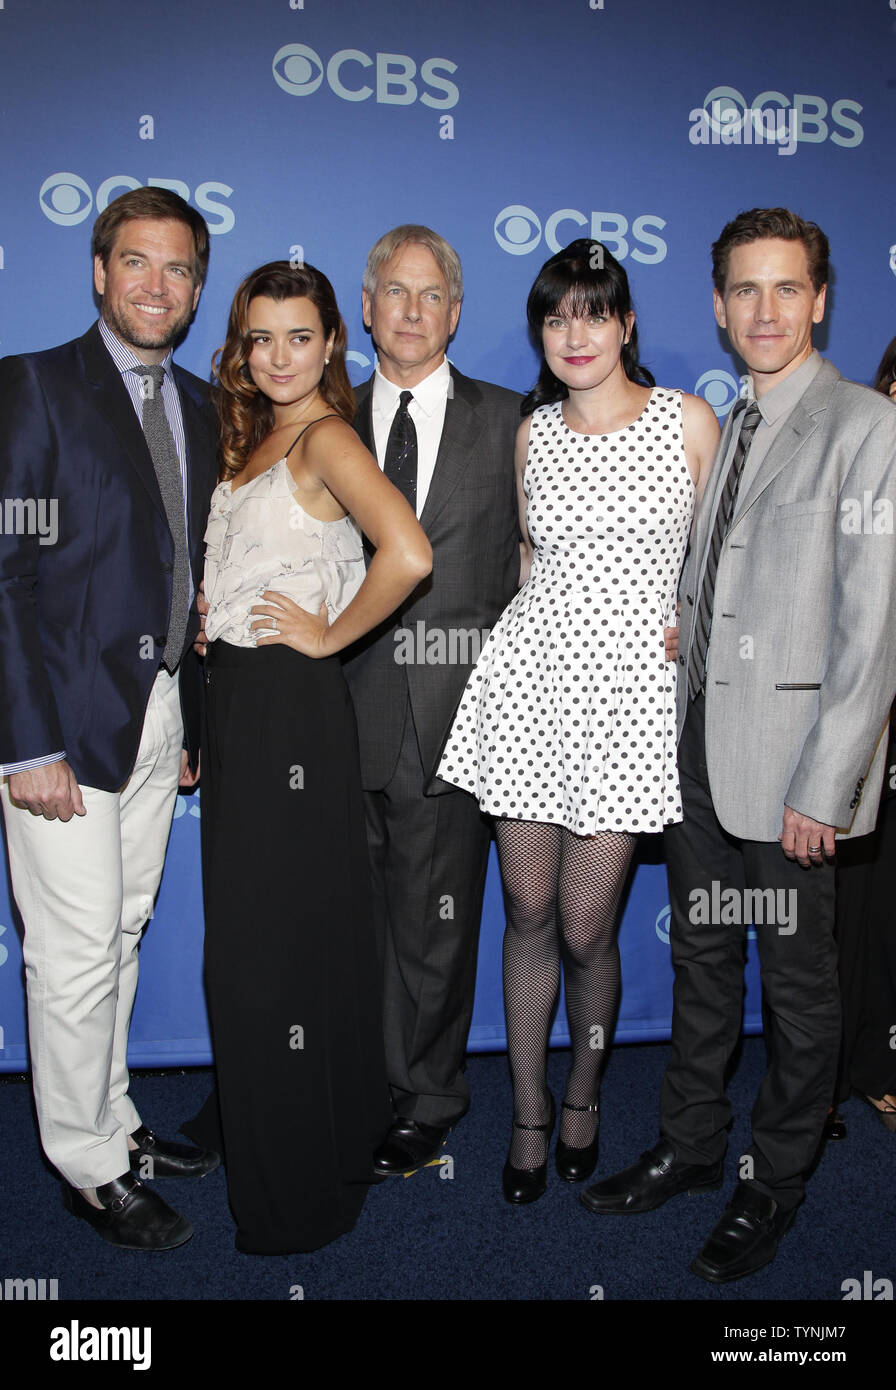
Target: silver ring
[(275, 625), (815, 849)]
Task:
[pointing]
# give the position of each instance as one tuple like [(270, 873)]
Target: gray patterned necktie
[(724, 516), (163, 452)]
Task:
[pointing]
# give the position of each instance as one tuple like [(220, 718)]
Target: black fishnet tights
[(551, 877)]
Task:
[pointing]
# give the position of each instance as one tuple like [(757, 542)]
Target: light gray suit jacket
[(801, 669)]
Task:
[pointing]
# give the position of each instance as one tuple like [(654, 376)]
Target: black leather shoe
[(528, 1184), (132, 1216), (577, 1164), (409, 1145), (746, 1238), (162, 1158), (834, 1127), (657, 1176)]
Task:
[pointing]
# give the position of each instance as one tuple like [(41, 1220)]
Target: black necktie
[(400, 465), (724, 515), (163, 452)]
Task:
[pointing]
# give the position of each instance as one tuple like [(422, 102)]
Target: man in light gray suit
[(446, 441), (787, 668)]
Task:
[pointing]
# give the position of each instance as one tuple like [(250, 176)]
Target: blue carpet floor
[(447, 1234)]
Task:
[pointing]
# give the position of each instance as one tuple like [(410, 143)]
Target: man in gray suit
[(447, 442), (787, 667)]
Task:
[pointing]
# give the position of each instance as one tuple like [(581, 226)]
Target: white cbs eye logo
[(358, 359), (893, 259), (297, 69), (662, 924), (719, 389), (66, 199), (521, 231), (720, 101)]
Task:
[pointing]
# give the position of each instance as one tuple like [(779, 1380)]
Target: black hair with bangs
[(582, 279)]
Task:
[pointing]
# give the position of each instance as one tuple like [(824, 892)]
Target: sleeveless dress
[(292, 979), (569, 714)]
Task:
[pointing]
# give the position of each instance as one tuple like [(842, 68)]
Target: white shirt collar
[(429, 394), (125, 359)]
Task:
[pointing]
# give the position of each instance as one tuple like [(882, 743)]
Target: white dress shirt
[(427, 410)]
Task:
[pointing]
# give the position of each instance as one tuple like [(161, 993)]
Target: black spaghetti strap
[(331, 416)]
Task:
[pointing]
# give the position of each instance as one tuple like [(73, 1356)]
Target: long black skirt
[(292, 977), (866, 938)]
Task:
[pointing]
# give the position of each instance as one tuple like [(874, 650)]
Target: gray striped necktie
[(163, 452), (724, 515)]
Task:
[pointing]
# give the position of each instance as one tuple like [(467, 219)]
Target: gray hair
[(445, 256)]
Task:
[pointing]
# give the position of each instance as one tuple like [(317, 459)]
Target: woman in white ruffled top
[(292, 978), (259, 538)]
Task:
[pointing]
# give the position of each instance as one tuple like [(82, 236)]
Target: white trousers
[(85, 889)]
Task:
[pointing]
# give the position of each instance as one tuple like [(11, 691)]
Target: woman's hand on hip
[(294, 626)]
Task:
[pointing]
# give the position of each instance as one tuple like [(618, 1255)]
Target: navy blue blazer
[(83, 621)]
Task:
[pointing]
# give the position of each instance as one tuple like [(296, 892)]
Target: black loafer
[(409, 1145), (745, 1239), (132, 1216), (657, 1176), (162, 1158)]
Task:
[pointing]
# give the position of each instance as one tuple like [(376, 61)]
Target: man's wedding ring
[(814, 849)]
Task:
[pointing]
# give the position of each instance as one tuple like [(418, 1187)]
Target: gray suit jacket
[(470, 517), (802, 659)]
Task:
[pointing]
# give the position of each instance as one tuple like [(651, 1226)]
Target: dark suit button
[(690, 600), (160, 641), (168, 569), (681, 661)]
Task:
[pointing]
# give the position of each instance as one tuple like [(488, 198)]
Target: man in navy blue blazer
[(107, 464)]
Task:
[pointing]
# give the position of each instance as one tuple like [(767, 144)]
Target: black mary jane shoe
[(575, 1164), (528, 1184)]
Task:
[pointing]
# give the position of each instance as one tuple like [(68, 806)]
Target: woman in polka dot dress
[(566, 730)]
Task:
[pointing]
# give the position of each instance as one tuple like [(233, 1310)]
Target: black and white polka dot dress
[(569, 714)]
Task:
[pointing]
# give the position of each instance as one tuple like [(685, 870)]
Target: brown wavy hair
[(245, 413), (761, 223), (161, 205)]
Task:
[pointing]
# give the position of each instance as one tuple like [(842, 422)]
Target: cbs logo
[(66, 199), (359, 366), (720, 390), (518, 231), (810, 113), (664, 917), (300, 71)]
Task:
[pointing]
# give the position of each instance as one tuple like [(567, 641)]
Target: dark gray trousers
[(801, 1002), (429, 856)]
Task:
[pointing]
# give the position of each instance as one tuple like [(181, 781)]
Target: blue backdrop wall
[(312, 126)]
